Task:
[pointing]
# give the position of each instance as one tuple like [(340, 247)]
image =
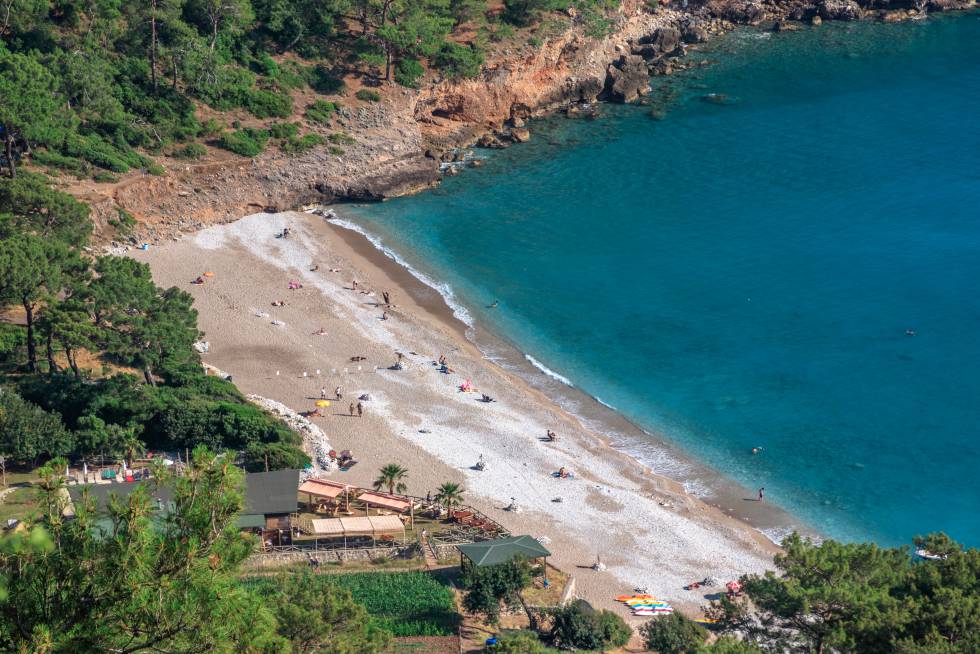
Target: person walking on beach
[(386, 297), (353, 285), (360, 410), (351, 409), (323, 393), (339, 395), (762, 493)]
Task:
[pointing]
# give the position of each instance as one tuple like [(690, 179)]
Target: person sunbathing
[(320, 332), (279, 303)]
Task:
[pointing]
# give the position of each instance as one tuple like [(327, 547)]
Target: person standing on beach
[(323, 393), (387, 298), (762, 493), (360, 410), (339, 395), (351, 409), (353, 285)]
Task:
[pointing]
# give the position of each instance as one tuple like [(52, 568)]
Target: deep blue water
[(744, 274)]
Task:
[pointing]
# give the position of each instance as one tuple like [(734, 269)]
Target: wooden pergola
[(326, 489)]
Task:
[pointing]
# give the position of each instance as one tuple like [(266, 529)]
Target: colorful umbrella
[(323, 403)]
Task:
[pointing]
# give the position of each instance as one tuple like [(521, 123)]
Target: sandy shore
[(648, 530)]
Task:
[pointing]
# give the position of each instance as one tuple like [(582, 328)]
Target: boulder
[(520, 135), (694, 33), (664, 40), (839, 10), (517, 121), (627, 79), (815, 19)]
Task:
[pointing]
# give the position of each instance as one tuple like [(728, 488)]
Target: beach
[(648, 531)]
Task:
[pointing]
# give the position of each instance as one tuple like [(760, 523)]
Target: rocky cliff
[(401, 141)]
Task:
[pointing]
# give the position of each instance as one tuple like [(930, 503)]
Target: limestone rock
[(839, 10), (627, 79), (520, 135)]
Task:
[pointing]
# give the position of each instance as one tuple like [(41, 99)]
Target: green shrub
[(518, 642), (321, 112), (342, 138), (190, 151), (296, 145), (247, 142), (333, 149), (155, 169), (105, 177), (673, 634), (579, 626), (278, 456), (268, 104), (124, 222), (283, 130), (408, 72), (61, 162), (368, 95), (323, 81), (458, 60)]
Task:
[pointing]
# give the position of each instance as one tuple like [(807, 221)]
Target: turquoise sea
[(744, 273)]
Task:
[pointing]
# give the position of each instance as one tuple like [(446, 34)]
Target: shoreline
[(613, 429), (418, 417)]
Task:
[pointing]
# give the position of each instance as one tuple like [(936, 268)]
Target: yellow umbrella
[(323, 402)]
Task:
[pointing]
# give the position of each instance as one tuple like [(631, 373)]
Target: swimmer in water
[(910, 332), (494, 305), (756, 450)]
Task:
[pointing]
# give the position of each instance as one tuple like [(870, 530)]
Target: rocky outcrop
[(627, 79), (839, 10)]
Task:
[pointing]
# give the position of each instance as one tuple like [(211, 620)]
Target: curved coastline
[(651, 454)]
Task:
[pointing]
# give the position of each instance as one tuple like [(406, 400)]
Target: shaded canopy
[(323, 488), (374, 526), (502, 550), (386, 501)]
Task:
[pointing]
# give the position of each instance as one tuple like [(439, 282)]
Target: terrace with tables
[(334, 515)]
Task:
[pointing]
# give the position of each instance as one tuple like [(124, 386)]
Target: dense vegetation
[(97, 87), (135, 579), (104, 364), (402, 603)]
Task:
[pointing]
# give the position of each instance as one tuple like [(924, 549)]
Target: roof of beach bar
[(323, 488), (387, 501), (384, 525), (502, 550)]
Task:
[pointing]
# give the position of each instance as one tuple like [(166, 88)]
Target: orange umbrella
[(323, 403), (209, 274)]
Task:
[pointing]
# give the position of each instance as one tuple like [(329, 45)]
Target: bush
[(268, 104), (278, 456), (731, 645), (124, 222), (457, 60), (302, 144), (105, 177), (247, 142), (673, 634), (323, 81), (54, 160), (342, 138), (283, 130), (155, 169), (337, 151), (518, 642), (408, 72), (320, 112), (368, 95), (579, 626), (190, 151)]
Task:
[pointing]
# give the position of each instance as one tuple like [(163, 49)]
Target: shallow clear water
[(743, 274)]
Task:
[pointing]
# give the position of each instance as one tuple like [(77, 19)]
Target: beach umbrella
[(323, 403)]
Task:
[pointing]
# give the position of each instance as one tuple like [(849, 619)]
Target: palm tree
[(450, 494), (391, 476)]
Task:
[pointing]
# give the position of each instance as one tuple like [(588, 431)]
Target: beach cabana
[(373, 527), (390, 502), (502, 550), (326, 489)]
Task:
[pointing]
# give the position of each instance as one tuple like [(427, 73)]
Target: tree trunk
[(531, 618), (388, 58), (49, 345), (70, 355), (8, 144), (153, 43), (214, 32), (173, 59), (148, 376), (31, 345)]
